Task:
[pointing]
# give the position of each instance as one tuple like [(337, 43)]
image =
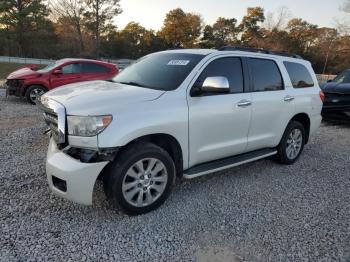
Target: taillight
[(322, 96)]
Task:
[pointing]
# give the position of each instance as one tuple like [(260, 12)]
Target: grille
[(55, 118), (51, 119)]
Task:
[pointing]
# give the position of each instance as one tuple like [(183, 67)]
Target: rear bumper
[(336, 112), (69, 178)]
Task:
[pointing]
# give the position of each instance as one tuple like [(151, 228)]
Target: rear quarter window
[(299, 75)]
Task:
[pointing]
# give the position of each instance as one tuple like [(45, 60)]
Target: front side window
[(343, 78), (266, 75), (71, 69), (229, 67), (299, 75), (94, 68), (160, 71)]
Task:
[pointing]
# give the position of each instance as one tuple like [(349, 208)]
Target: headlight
[(87, 125)]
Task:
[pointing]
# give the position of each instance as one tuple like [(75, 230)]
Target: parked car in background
[(31, 83), (337, 98), (179, 113)]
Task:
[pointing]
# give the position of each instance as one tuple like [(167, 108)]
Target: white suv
[(178, 113)]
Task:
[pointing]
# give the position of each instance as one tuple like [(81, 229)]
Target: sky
[(151, 13)]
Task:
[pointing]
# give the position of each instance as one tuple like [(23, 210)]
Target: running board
[(225, 163)]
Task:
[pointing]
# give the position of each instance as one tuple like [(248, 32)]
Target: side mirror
[(212, 84), (57, 72), (216, 84)]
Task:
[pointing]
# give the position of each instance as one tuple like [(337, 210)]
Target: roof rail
[(258, 50)]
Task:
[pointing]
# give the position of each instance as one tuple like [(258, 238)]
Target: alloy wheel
[(294, 143), (35, 93), (144, 182)]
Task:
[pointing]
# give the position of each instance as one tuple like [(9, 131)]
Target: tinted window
[(161, 71), (229, 67), (343, 78), (94, 68), (71, 69), (266, 75), (299, 75)]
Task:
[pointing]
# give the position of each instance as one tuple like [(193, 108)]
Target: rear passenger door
[(94, 71), (219, 122), (272, 104)]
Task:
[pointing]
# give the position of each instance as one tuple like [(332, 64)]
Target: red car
[(32, 83)]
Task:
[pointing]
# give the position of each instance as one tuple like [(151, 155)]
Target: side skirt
[(225, 163)]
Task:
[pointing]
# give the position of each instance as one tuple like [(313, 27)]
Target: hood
[(333, 87), (23, 73), (100, 97)]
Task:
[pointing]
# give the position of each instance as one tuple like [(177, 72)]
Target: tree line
[(85, 28)]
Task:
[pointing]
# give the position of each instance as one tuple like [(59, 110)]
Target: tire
[(133, 188), (289, 149), (33, 92)]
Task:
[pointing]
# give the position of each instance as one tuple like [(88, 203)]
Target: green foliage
[(84, 28), (223, 32), (98, 18), (181, 29), (22, 21), (251, 31)]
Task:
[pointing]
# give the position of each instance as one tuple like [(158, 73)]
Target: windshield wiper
[(131, 83)]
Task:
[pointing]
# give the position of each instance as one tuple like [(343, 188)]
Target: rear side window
[(299, 75), (94, 68), (266, 75), (229, 67)]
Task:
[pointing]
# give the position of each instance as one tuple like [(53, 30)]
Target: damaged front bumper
[(71, 178), (14, 87)]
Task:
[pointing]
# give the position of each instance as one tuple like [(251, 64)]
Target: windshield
[(49, 67), (161, 71), (344, 77)]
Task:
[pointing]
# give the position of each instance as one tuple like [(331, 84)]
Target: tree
[(278, 20), (71, 12), (181, 29), (137, 40), (223, 32), (99, 15), (250, 27), (302, 34), (21, 18)]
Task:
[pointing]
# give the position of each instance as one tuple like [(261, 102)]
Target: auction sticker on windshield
[(179, 62)]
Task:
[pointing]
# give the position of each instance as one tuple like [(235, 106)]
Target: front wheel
[(292, 143), (33, 92), (141, 179)]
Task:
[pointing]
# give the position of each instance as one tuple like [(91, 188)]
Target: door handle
[(288, 98), (244, 103)]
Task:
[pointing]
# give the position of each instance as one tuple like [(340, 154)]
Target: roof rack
[(257, 50)]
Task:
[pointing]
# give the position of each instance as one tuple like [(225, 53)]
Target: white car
[(178, 113)]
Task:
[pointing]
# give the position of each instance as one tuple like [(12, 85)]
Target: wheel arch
[(168, 142), (25, 88), (304, 119)]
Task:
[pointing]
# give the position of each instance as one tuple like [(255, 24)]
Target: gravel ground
[(258, 212)]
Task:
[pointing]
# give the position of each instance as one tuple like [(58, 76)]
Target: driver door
[(70, 73), (219, 122)]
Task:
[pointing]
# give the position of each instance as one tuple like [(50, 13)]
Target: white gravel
[(258, 212)]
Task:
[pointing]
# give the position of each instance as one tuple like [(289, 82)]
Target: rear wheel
[(141, 179), (33, 92), (292, 143)]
